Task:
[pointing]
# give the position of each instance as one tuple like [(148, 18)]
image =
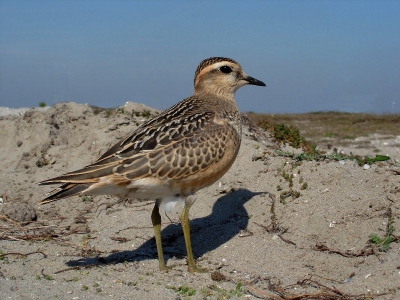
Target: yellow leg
[(156, 220), (192, 267)]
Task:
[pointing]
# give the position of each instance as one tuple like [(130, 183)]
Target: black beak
[(254, 81)]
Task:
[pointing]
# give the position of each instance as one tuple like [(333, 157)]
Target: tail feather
[(66, 190), (89, 174)]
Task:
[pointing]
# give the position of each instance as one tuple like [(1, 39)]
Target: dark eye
[(225, 69)]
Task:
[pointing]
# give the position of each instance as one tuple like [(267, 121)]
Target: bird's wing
[(188, 149), (182, 120), (178, 142)]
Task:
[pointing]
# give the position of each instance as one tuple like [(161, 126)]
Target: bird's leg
[(156, 220), (192, 267)]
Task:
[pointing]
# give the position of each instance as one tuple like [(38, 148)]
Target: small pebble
[(218, 276), (366, 167)]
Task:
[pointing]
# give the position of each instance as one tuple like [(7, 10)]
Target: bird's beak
[(254, 81)]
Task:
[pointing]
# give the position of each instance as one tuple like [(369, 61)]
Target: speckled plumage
[(171, 157)]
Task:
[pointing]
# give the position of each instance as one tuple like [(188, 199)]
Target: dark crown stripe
[(209, 61)]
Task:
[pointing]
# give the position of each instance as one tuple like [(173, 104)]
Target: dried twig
[(133, 227), (120, 239), (79, 268), (286, 293), (286, 240), (364, 252), (22, 254), (262, 294), (4, 218)]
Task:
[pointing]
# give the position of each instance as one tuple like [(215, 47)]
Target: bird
[(172, 156)]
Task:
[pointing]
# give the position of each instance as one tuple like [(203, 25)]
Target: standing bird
[(172, 156)]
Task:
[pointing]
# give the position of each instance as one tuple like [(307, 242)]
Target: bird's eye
[(225, 69)]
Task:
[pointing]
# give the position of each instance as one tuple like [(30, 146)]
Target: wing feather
[(181, 141)]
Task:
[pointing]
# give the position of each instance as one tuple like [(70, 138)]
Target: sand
[(252, 241)]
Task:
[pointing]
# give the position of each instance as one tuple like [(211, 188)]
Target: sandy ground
[(254, 242)]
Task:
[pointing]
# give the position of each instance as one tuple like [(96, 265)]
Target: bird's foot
[(165, 268), (192, 267)]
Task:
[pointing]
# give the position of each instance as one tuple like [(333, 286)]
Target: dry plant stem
[(23, 254), (286, 240), (4, 218), (132, 227), (273, 215), (263, 294), (326, 294), (273, 227), (78, 268), (282, 293), (308, 280), (9, 237), (363, 252), (28, 228), (333, 280), (120, 239)]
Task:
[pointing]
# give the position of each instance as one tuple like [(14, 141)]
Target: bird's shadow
[(227, 219)]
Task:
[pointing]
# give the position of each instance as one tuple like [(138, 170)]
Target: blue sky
[(313, 55)]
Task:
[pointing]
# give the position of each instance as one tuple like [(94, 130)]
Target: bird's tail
[(66, 190)]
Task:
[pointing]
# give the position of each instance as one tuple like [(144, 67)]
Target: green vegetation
[(183, 290), (287, 134), (145, 113), (287, 172), (48, 277), (86, 199), (333, 127), (222, 294), (42, 104), (320, 155), (384, 242), (108, 112)]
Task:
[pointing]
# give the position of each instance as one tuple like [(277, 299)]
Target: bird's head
[(221, 76)]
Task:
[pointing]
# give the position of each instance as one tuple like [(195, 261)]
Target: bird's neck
[(220, 91)]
